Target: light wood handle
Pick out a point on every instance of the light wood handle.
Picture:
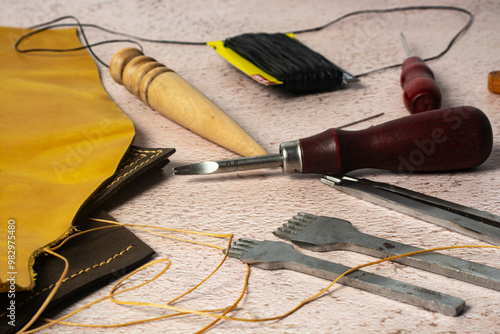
(168, 93)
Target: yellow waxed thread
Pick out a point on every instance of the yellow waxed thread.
(139, 226)
(146, 228)
(209, 313)
(199, 284)
(307, 300)
(59, 321)
(141, 268)
(53, 322)
(230, 236)
(79, 233)
(112, 294)
(302, 303)
(51, 294)
(50, 287)
(225, 311)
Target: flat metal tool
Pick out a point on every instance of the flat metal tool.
(272, 255)
(322, 234)
(471, 222)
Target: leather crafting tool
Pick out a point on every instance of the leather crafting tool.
(438, 140)
(421, 92)
(168, 93)
(471, 222)
(321, 234)
(272, 255)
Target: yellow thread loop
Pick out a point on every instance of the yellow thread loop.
(52, 293)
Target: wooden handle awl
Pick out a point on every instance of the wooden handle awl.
(437, 140)
(172, 96)
(421, 92)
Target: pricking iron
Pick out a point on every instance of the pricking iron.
(272, 255)
(471, 222)
(322, 234)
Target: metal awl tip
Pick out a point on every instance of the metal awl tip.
(405, 45)
(231, 165)
(199, 168)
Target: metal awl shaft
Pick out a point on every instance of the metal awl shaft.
(405, 45)
(289, 158)
(232, 165)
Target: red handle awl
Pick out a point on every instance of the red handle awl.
(421, 93)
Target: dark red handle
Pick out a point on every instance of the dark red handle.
(420, 91)
(437, 140)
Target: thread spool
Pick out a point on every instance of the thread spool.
(298, 68)
(168, 93)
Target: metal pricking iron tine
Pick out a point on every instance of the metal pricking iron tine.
(321, 234)
(477, 224)
(273, 255)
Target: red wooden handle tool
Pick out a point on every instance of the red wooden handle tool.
(420, 91)
(438, 140)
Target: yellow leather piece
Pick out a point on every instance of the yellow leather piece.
(61, 136)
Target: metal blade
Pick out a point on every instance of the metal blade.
(231, 165)
(474, 223)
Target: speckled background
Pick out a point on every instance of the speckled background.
(253, 204)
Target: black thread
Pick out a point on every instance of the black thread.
(301, 69)
(134, 39)
(462, 31)
(49, 25)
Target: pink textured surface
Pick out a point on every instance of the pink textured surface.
(253, 204)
